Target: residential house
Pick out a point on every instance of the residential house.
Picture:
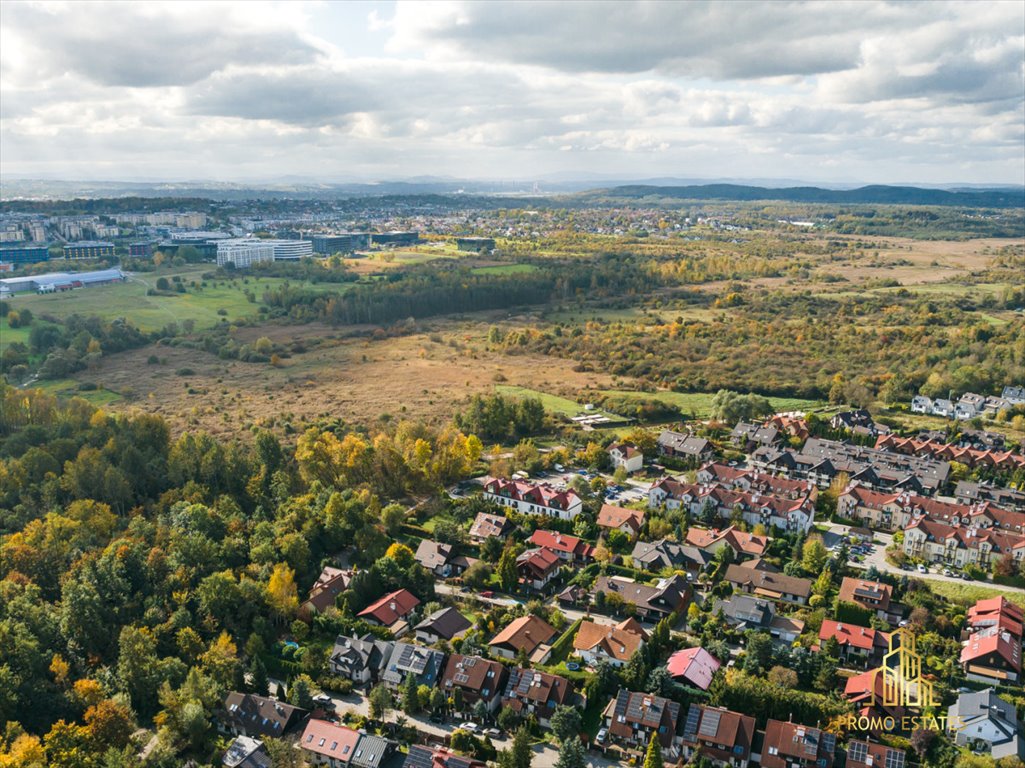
(444, 624)
(664, 553)
(992, 654)
(787, 512)
(486, 526)
(867, 694)
(527, 635)
(438, 757)
(869, 754)
(693, 666)
(678, 445)
(537, 568)
(360, 659)
(748, 612)
(719, 735)
(634, 718)
(774, 586)
(476, 679)
(670, 595)
(1014, 395)
(406, 659)
(981, 720)
(921, 404)
(530, 498)
(860, 422)
(792, 745)
(746, 436)
(957, 545)
(1008, 498)
(372, 751)
(570, 549)
(246, 714)
(626, 455)
(530, 692)
(873, 595)
(391, 611)
(969, 406)
(245, 752)
(855, 642)
(325, 743)
(628, 521)
(613, 644)
(996, 612)
(965, 451)
(325, 591)
(441, 559)
(742, 543)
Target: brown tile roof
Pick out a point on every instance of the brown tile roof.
(619, 642)
(486, 525)
(391, 607)
(525, 633)
(612, 516)
(871, 594)
(769, 584)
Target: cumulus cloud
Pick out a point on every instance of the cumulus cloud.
(871, 90)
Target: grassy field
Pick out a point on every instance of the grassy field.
(505, 269)
(205, 306)
(552, 403)
(966, 594)
(700, 403)
(68, 388)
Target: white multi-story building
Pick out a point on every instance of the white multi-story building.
(244, 252)
(292, 250)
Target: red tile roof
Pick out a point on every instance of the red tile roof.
(851, 634)
(993, 641)
(612, 516)
(695, 665)
(561, 542)
(391, 607)
(330, 740)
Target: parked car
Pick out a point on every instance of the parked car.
(470, 727)
(922, 568)
(487, 593)
(966, 577)
(946, 571)
(602, 737)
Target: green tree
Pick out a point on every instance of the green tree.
(653, 757)
(566, 723)
(814, 555)
(508, 575)
(380, 700)
(410, 696)
(300, 691)
(571, 755)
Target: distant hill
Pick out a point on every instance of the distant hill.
(878, 194)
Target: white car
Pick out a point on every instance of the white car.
(471, 727)
(922, 568)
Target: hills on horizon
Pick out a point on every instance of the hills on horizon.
(592, 191)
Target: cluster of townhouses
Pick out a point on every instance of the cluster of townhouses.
(970, 404)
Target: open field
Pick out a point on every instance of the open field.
(699, 404)
(355, 379)
(966, 594)
(505, 269)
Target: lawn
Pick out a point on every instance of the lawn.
(67, 388)
(552, 403)
(700, 403)
(966, 594)
(203, 305)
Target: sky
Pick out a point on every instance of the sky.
(834, 91)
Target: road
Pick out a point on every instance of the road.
(877, 558)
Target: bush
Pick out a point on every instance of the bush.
(185, 372)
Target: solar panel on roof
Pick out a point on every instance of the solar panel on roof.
(857, 751)
(894, 758)
(710, 723)
(690, 728)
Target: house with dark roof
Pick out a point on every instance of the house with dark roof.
(792, 745)
(325, 743)
(246, 714)
(747, 436)
(438, 757)
(668, 595)
(613, 644)
(719, 735)
(664, 553)
(570, 549)
(487, 525)
(391, 611)
(441, 559)
(476, 679)
(425, 664)
(445, 624)
(530, 692)
(679, 445)
(634, 718)
(372, 751)
(360, 659)
(749, 612)
(529, 635)
(622, 519)
(982, 721)
(774, 586)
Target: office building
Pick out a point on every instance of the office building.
(395, 238)
(291, 250)
(89, 249)
(244, 252)
(343, 242)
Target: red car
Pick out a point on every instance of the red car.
(487, 593)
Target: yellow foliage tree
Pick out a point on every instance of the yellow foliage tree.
(282, 596)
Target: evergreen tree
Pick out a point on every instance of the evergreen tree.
(258, 672)
(571, 755)
(410, 696)
(653, 757)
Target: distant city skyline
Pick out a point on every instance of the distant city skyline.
(826, 92)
